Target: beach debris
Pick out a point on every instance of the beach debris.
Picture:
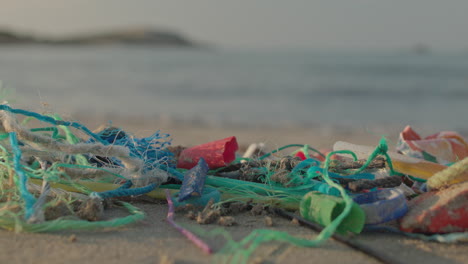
(348, 188)
(442, 211)
(268, 221)
(217, 154)
(56, 210)
(189, 235)
(363, 184)
(226, 221)
(194, 181)
(258, 209)
(191, 215)
(456, 173)
(323, 209)
(382, 205)
(72, 238)
(444, 147)
(209, 214)
(253, 150)
(235, 208)
(91, 210)
(295, 222)
(415, 167)
(341, 166)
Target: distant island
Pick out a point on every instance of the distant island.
(135, 36)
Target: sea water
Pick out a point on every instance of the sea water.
(243, 87)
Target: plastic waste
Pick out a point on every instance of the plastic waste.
(382, 205)
(443, 211)
(194, 181)
(323, 209)
(444, 147)
(217, 154)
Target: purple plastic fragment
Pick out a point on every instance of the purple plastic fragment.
(194, 181)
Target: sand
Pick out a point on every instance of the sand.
(154, 241)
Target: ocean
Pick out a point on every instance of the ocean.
(242, 87)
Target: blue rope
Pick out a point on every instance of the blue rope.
(120, 192)
(126, 185)
(172, 171)
(53, 121)
(27, 197)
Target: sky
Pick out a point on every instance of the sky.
(337, 24)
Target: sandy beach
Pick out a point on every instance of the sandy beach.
(154, 241)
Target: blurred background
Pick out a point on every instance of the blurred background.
(363, 65)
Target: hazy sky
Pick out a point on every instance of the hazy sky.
(442, 24)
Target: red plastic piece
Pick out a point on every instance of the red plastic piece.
(301, 155)
(443, 211)
(316, 156)
(217, 154)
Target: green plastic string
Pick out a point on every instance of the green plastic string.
(382, 149)
(4, 136)
(12, 222)
(55, 134)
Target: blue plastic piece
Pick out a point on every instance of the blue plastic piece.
(382, 205)
(194, 181)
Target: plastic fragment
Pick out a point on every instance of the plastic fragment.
(194, 181)
(382, 205)
(443, 147)
(216, 154)
(323, 209)
(300, 155)
(443, 211)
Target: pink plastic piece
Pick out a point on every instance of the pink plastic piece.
(217, 154)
